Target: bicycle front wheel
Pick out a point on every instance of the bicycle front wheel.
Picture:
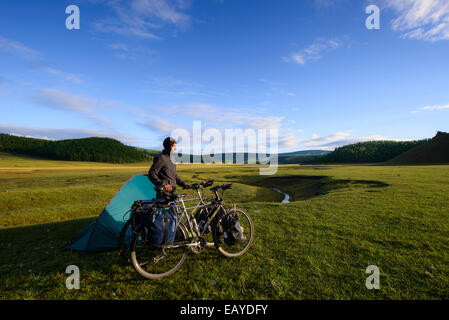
(237, 248)
(153, 262)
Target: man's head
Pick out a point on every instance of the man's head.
(169, 144)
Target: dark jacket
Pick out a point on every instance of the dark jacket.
(163, 171)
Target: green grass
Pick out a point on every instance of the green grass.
(342, 219)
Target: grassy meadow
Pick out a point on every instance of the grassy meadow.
(342, 218)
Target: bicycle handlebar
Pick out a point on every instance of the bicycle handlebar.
(170, 196)
(203, 184)
(223, 187)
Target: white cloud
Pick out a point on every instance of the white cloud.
(436, 107)
(159, 125)
(421, 19)
(222, 116)
(81, 104)
(275, 88)
(269, 82)
(62, 134)
(287, 141)
(141, 18)
(432, 108)
(335, 140)
(168, 81)
(127, 52)
(316, 139)
(35, 59)
(75, 78)
(314, 51)
(327, 3)
(175, 87)
(18, 49)
(165, 10)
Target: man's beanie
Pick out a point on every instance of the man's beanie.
(168, 143)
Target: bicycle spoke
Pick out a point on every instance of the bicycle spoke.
(154, 262)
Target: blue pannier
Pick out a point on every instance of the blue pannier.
(163, 227)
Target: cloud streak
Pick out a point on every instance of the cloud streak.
(81, 104)
(336, 140)
(141, 18)
(18, 49)
(223, 116)
(313, 52)
(421, 19)
(63, 134)
(275, 88)
(159, 125)
(446, 106)
(35, 59)
(432, 108)
(75, 78)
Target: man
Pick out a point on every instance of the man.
(163, 171)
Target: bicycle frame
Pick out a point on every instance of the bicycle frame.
(188, 236)
(217, 204)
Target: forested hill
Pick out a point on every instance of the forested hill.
(88, 149)
(433, 152)
(368, 152)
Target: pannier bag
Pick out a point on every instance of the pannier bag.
(140, 211)
(201, 219)
(232, 231)
(163, 227)
(159, 224)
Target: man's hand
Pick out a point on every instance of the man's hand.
(187, 186)
(168, 188)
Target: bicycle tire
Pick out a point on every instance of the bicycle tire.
(221, 247)
(182, 236)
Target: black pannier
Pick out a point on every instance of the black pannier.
(232, 231)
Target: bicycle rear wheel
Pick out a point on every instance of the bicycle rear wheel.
(238, 248)
(125, 241)
(153, 262)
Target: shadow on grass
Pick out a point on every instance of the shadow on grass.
(41, 250)
(306, 187)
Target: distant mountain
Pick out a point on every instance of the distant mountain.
(88, 149)
(306, 153)
(150, 152)
(434, 151)
(252, 158)
(368, 152)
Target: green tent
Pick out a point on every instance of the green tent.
(104, 232)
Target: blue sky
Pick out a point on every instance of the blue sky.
(137, 69)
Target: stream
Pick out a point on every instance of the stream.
(286, 196)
